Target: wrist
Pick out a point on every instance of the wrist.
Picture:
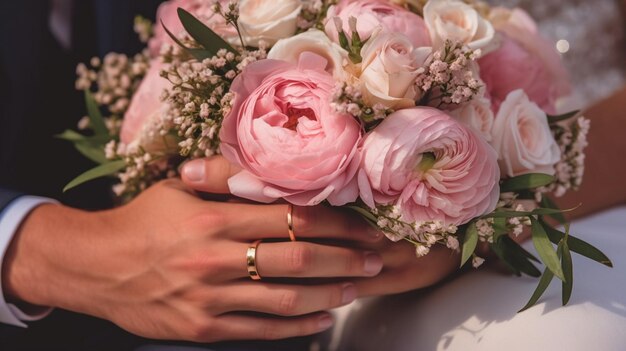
(45, 251)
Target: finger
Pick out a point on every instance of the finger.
(209, 174)
(238, 327)
(307, 260)
(283, 300)
(248, 222)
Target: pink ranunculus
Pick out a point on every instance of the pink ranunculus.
(372, 14)
(525, 61)
(287, 138)
(146, 104)
(203, 10)
(430, 166)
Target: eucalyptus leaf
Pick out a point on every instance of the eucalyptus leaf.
(518, 257)
(547, 202)
(198, 54)
(566, 264)
(579, 246)
(470, 241)
(500, 250)
(92, 152)
(97, 172)
(526, 181)
(95, 117)
(543, 284)
(563, 117)
(545, 250)
(203, 34)
(535, 212)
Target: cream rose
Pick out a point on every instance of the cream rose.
(476, 114)
(314, 41)
(457, 21)
(389, 69)
(268, 20)
(522, 137)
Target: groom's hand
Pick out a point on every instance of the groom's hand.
(171, 266)
(402, 270)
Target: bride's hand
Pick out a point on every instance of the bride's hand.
(171, 266)
(402, 271)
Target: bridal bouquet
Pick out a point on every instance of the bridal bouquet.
(435, 120)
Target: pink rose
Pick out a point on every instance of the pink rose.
(522, 137)
(203, 10)
(146, 104)
(283, 132)
(430, 166)
(371, 14)
(524, 61)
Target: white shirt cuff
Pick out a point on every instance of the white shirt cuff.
(10, 220)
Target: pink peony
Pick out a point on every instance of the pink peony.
(524, 61)
(430, 166)
(371, 14)
(203, 10)
(146, 104)
(288, 139)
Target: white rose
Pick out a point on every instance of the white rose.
(522, 137)
(389, 68)
(314, 41)
(476, 114)
(457, 21)
(267, 20)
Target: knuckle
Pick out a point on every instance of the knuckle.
(353, 263)
(305, 218)
(202, 330)
(289, 303)
(335, 296)
(299, 258)
(271, 331)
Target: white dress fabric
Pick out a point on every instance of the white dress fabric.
(477, 310)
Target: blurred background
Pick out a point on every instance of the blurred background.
(590, 36)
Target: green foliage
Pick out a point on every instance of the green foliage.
(97, 172)
(470, 241)
(545, 250)
(526, 181)
(563, 117)
(95, 117)
(203, 34)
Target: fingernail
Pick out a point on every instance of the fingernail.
(349, 293)
(193, 171)
(325, 322)
(373, 263)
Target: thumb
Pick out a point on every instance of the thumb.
(209, 175)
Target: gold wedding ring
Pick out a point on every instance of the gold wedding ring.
(253, 272)
(292, 236)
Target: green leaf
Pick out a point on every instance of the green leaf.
(500, 250)
(100, 171)
(547, 202)
(545, 250)
(499, 228)
(203, 34)
(517, 257)
(563, 117)
(526, 181)
(75, 137)
(92, 152)
(198, 54)
(543, 284)
(95, 117)
(469, 243)
(579, 246)
(535, 212)
(566, 264)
